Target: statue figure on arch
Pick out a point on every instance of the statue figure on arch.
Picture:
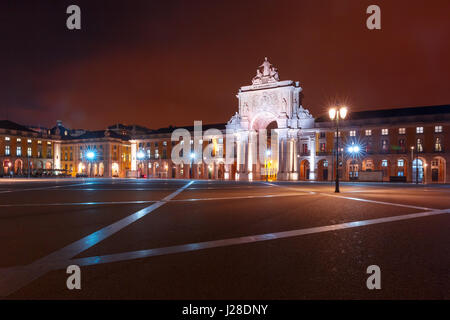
(266, 67)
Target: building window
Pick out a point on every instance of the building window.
(419, 130)
(384, 163)
(19, 140)
(325, 164)
(401, 174)
(402, 145)
(29, 152)
(384, 132)
(419, 145)
(339, 133)
(19, 151)
(322, 135)
(39, 142)
(438, 145)
(401, 130)
(29, 141)
(384, 145)
(352, 133)
(400, 163)
(369, 165)
(368, 132)
(7, 138)
(7, 150)
(305, 148)
(438, 129)
(322, 147)
(165, 143)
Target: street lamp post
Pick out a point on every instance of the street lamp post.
(412, 164)
(336, 114)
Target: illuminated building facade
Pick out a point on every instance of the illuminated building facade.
(397, 145)
(24, 151)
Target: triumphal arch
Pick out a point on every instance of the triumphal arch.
(272, 106)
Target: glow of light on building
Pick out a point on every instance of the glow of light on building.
(133, 156)
(140, 155)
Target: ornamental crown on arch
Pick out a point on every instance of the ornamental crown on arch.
(266, 73)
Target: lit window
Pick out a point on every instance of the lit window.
(39, 142)
(325, 164)
(438, 145)
(7, 150)
(400, 163)
(384, 145)
(29, 141)
(322, 147)
(384, 132)
(368, 132)
(384, 163)
(438, 129)
(29, 152)
(7, 138)
(338, 133)
(352, 133)
(19, 151)
(19, 140)
(419, 145)
(419, 130)
(401, 130)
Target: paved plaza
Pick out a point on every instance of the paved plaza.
(200, 239)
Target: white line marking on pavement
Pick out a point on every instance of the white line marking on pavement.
(45, 188)
(356, 199)
(76, 203)
(145, 201)
(241, 197)
(379, 202)
(12, 279)
(237, 241)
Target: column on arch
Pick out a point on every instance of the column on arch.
(312, 158)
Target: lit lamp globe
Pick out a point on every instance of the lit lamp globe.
(140, 155)
(340, 114)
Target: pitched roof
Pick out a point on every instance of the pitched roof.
(98, 134)
(6, 124)
(170, 129)
(390, 113)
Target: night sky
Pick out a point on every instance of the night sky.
(157, 63)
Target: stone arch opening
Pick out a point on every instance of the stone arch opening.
(322, 167)
(304, 170)
(438, 173)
